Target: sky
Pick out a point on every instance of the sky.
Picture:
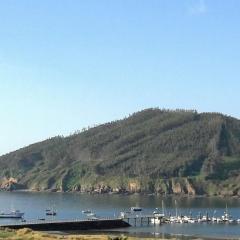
(65, 65)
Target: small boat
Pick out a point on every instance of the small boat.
(12, 214)
(136, 209)
(50, 212)
(214, 219)
(219, 220)
(86, 211)
(205, 218)
(191, 220)
(91, 214)
(175, 219)
(158, 218)
(227, 217)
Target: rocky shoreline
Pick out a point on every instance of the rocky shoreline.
(167, 187)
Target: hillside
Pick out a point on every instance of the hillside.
(160, 151)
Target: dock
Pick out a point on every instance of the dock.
(69, 225)
(140, 220)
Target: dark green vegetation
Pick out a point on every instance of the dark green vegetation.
(151, 151)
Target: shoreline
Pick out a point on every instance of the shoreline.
(156, 235)
(26, 233)
(122, 194)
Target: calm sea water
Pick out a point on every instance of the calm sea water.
(70, 206)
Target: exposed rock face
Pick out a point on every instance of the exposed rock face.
(134, 187)
(10, 184)
(176, 187)
(190, 189)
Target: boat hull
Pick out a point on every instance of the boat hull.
(19, 215)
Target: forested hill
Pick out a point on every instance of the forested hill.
(161, 151)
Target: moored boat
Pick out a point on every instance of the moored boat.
(12, 214)
(86, 211)
(51, 212)
(91, 214)
(136, 209)
(158, 218)
(227, 217)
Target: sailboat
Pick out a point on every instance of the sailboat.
(226, 217)
(175, 219)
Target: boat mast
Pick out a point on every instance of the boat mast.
(163, 207)
(176, 207)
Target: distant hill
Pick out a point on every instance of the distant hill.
(153, 151)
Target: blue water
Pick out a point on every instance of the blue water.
(70, 206)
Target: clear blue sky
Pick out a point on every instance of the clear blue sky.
(65, 65)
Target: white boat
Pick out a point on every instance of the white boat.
(86, 211)
(176, 219)
(51, 212)
(227, 217)
(191, 220)
(214, 219)
(12, 214)
(219, 220)
(204, 218)
(91, 214)
(158, 217)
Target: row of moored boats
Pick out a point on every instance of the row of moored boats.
(162, 218)
(159, 217)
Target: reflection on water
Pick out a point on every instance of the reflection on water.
(71, 205)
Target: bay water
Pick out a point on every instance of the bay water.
(71, 205)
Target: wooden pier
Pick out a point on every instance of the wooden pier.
(69, 225)
(140, 220)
